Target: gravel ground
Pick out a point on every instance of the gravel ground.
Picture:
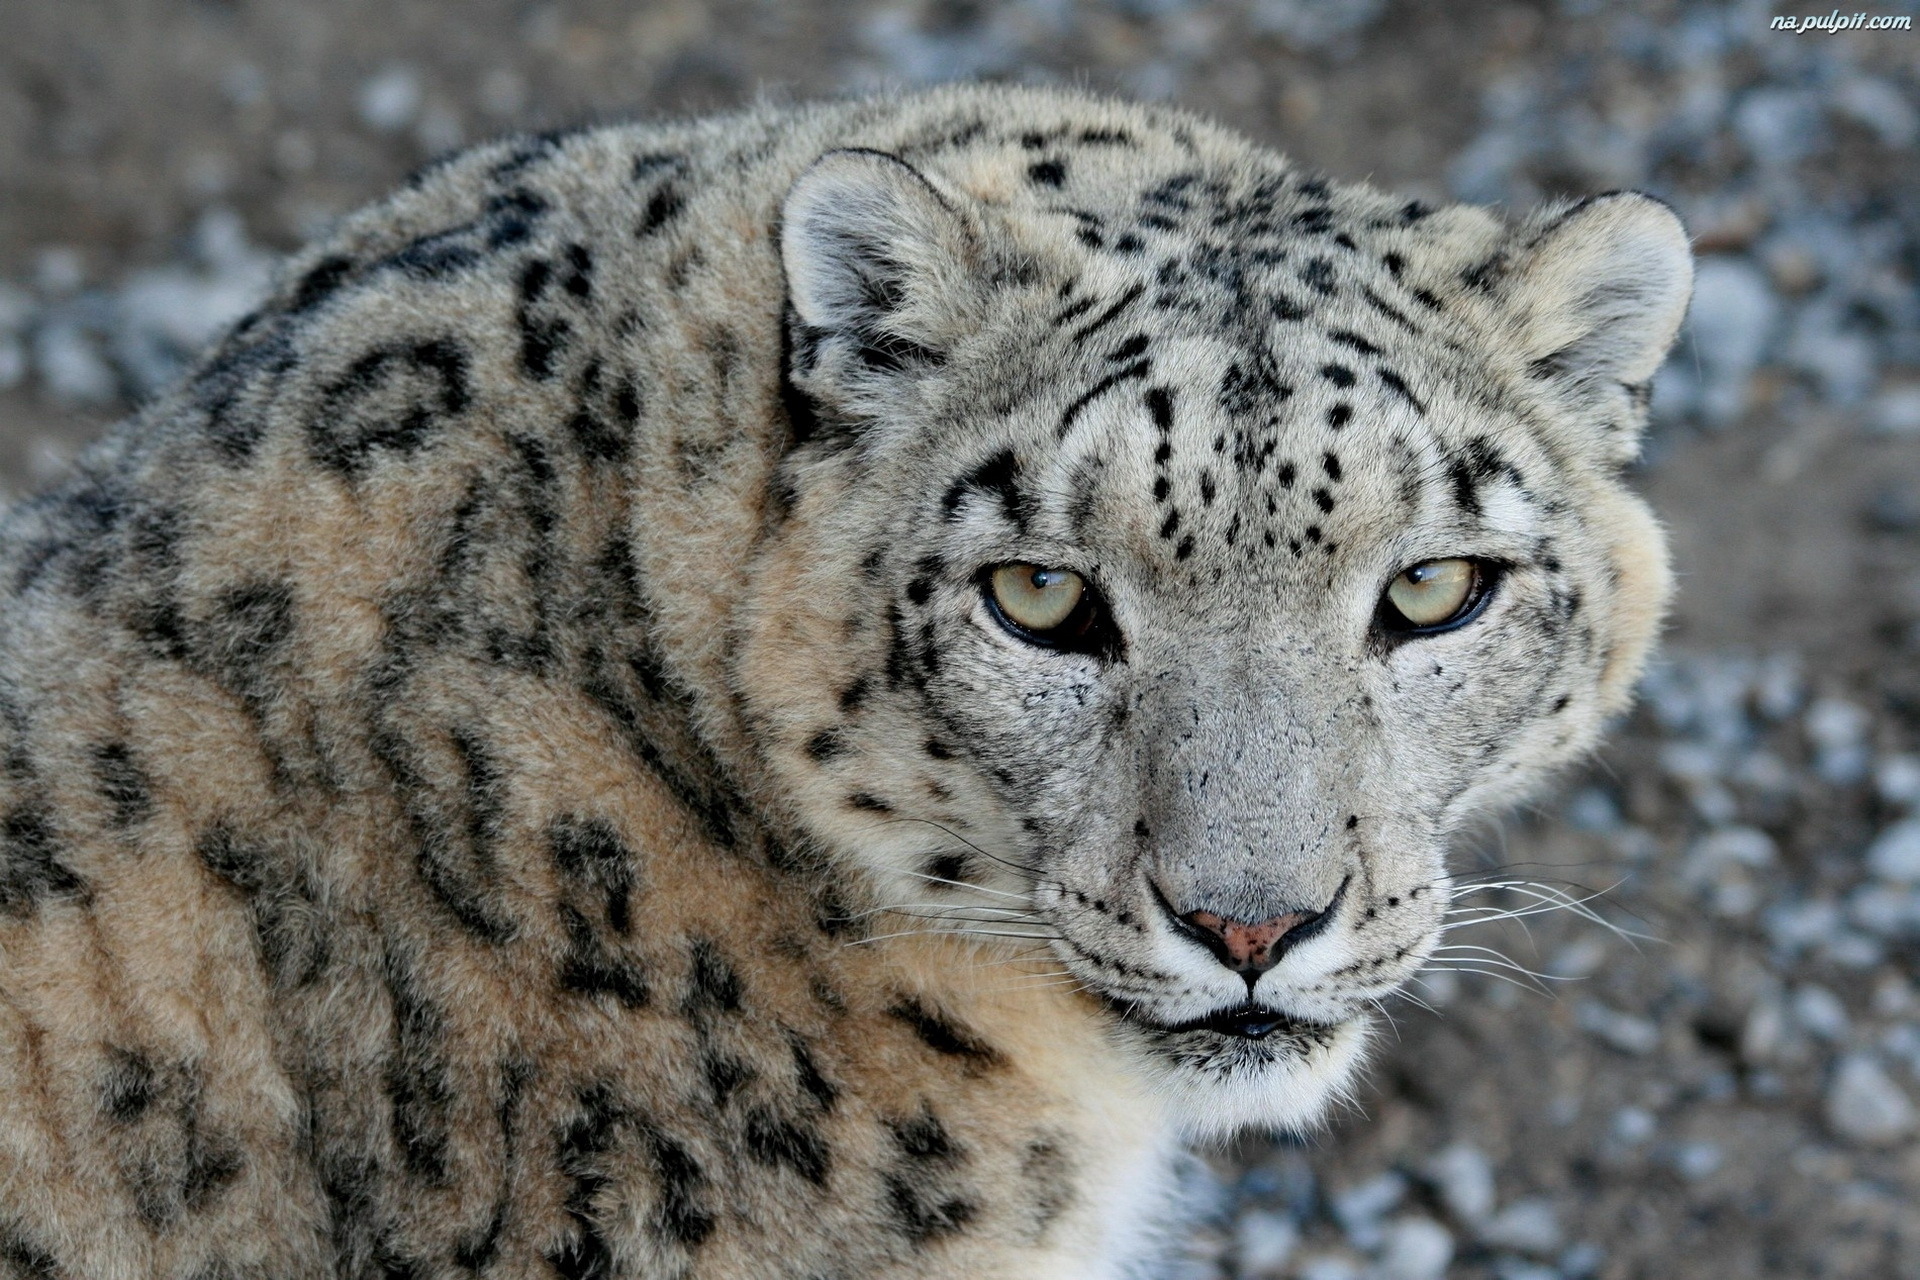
(1709, 1066)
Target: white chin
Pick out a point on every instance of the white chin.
(1274, 1084)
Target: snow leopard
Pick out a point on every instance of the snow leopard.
(814, 693)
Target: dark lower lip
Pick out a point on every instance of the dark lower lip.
(1244, 1024)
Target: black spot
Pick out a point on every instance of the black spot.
(1330, 463)
(1161, 487)
(26, 1259)
(1206, 489)
(666, 204)
(1560, 703)
(288, 925)
(1414, 211)
(919, 591)
(391, 398)
(1346, 338)
(924, 1220)
(1048, 1172)
(319, 283)
(925, 1139)
(123, 784)
(1185, 548)
(868, 802)
(419, 1082)
(30, 868)
(129, 1088)
(826, 745)
(951, 867)
(1248, 389)
(1285, 475)
(1171, 525)
(1338, 374)
(1318, 276)
(812, 1081)
(939, 750)
(724, 1075)
(579, 281)
(588, 968)
(648, 163)
(596, 441)
(1159, 402)
(713, 985)
(855, 694)
(1129, 349)
(1323, 500)
(682, 1217)
(1106, 137)
(1353, 820)
(775, 1142)
(1047, 173)
(943, 1036)
(1394, 264)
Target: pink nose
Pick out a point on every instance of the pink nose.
(1248, 948)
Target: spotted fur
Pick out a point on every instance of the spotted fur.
(509, 769)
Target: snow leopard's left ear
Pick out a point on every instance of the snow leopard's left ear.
(1595, 298)
(881, 281)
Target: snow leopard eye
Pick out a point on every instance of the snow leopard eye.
(1435, 595)
(1052, 608)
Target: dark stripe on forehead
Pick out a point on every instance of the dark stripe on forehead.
(1110, 314)
(1138, 369)
(1398, 386)
(998, 476)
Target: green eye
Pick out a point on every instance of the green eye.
(1433, 594)
(1036, 599)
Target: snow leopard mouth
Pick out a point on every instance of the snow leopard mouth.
(1248, 1022)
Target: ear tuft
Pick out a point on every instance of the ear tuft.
(1596, 299)
(880, 276)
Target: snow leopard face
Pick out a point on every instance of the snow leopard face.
(1173, 561)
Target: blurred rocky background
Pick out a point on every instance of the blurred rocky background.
(1711, 1066)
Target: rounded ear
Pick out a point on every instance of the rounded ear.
(1595, 301)
(881, 277)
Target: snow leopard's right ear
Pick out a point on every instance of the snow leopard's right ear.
(1595, 297)
(882, 280)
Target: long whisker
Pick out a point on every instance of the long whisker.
(1021, 867)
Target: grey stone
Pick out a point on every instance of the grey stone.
(1864, 1106)
(1414, 1248)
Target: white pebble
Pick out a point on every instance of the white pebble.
(1633, 1125)
(1895, 853)
(1820, 1013)
(1864, 1106)
(1527, 1226)
(72, 366)
(1463, 1176)
(1414, 1249)
(1897, 779)
(1263, 1241)
(1697, 1160)
(1359, 1210)
(1731, 321)
(389, 99)
(1626, 1032)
